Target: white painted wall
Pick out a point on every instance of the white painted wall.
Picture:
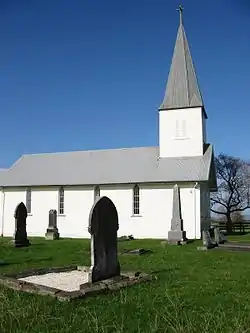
(154, 220)
(1, 209)
(181, 132)
(12, 198)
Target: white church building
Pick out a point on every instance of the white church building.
(139, 181)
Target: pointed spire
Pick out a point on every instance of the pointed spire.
(182, 87)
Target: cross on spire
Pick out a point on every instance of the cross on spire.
(180, 10)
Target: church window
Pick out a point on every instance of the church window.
(177, 128)
(180, 128)
(96, 193)
(183, 128)
(136, 200)
(28, 200)
(61, 201)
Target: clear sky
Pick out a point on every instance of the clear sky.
(90, 74)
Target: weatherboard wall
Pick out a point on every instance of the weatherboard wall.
(154, 220)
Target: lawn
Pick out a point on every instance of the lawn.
(196, 291)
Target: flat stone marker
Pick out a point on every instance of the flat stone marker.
(20, 237)
(138, 252)
(176, 235)
(52, 231)
(103, 226)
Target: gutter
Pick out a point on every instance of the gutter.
(195, 220)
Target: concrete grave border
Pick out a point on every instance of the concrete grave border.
(87, 289)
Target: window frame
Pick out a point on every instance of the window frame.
(61, 201)
(136, 200)
(180, 129)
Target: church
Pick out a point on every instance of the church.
(140, 181)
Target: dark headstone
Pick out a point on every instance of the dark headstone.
(103, 226)
(20, 238)
(211, 231)
(52, 231)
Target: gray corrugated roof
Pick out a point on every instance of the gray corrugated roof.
(182, 87)
(131, 165)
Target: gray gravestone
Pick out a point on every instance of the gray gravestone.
(207, 240)
(218, 236)
(20, 237)
(52, 231)
(176, 235)
(103, 226)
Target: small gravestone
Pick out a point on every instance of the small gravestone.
(103, 226)
(176, 235)
(206, 238)
(219, 236)
(206, 241)
(20, 237)
(211, 231)
(52, 231)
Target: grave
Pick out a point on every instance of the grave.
(103, 226)
(206, 241)
(177, 235)
(52, 231)
(74, 282)
(126, 238)
(138, 252)
(20, 236)
(219, 236)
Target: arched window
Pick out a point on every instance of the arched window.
(28, 200)
(96, 193)
(61, 201)
(136, 200)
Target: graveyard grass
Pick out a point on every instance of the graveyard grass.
(196, 291)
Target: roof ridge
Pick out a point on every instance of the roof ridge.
(86, 151)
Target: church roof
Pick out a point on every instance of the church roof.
(182, 89)
(112, 166)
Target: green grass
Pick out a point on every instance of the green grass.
(196, 291)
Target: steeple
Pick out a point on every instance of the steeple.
(182, 89)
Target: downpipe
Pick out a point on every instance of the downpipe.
(3, 205)
(195, 220)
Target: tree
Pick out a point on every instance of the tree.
(237, 217)
(233, 187)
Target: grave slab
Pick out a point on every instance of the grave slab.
(57, 282)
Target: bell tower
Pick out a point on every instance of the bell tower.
(182, 115)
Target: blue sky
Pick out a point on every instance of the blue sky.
(90, 74)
